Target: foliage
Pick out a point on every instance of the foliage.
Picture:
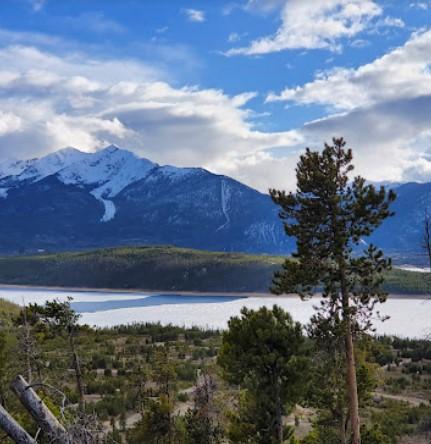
(396, 418)
(329, 215)
(155, 427)
(262, 351)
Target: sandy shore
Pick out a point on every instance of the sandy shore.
(143, 291)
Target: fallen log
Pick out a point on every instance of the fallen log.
(45, 419)
(13, 429)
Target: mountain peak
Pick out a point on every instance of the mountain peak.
(68, 150)
(112, 149)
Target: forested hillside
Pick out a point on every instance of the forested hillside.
(167, 269)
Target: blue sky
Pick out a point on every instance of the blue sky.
(239, 87)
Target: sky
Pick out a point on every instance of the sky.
(239, 87)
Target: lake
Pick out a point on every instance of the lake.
(409, 316)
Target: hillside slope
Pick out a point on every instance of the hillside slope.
(166, 269)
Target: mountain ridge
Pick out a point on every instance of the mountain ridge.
(136, 201)
(71, 200)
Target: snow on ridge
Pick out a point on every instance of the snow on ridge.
(105, 172)
(51, 163)
(110, 171)
(15, 171)
(13, 167)
(175, 172)
(110, 168)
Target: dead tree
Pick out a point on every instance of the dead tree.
(13, 429)
(45, 419)
(82, 430)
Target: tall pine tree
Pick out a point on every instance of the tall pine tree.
(329, 216)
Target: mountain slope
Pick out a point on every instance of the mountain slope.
(72, 200)
(404, 231)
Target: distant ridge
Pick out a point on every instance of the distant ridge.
(166, 269)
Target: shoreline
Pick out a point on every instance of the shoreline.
(145, 292)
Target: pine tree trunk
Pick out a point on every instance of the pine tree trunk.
(352, 386)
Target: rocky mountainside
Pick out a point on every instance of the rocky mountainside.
(71, 200)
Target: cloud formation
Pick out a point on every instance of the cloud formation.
(383, 109)
(49, 102)
(319, 24)
(402, 73)
(194, 15)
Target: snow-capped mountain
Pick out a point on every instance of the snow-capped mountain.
(71, 199)
(105, 173)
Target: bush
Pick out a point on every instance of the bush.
(183, 397)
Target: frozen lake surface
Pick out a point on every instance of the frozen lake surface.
(409, 316)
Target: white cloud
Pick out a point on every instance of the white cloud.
(48, 101)
(263, 6)
(420, 5)
(9, 123)
(402, 73)
(359, 43)
(194, 15)
(391, 21)
(51, 101)
(316, 24)
(383, 109)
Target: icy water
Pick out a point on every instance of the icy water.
(409, 316)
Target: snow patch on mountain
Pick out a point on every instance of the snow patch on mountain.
(225, 195)
(263, 231)
(3, 192)
(109, 206)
